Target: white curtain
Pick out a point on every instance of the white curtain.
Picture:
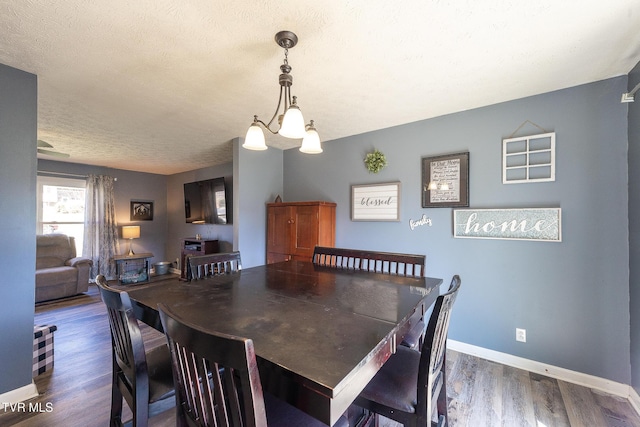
(101, 226)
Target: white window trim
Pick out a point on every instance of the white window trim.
(43, 180)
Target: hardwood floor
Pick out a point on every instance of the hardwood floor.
(481, 393)
(78, 389)
(485, 393)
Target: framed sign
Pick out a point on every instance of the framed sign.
(541, 224)
(141, 211)
(445, 181)
(375, 202)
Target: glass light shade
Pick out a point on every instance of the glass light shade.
(130, 231)
(433, 185)
(311, 142)
(255, 138)
(292, 123)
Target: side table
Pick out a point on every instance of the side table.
(133, 269)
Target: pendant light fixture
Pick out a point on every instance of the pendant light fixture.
(290, 120)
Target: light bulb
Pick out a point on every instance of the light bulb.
(311, 141)
(255, 138)
(292, 123)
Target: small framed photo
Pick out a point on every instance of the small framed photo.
(141, 211)
(445, 181)
(375, 202)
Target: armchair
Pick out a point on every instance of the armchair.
(59, 272)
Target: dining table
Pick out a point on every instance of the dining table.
(320, 334)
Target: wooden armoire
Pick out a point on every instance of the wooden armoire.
(295, 228)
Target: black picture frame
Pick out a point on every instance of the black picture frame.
(141, 211)
(449, 169)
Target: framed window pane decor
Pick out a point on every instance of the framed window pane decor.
(445, 181)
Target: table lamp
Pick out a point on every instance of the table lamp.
(130, 232)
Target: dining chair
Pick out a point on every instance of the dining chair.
(411, 265)
(203, 266)
(144, 379)
(410, 388)
(233, 395)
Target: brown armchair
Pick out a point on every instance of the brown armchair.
(59, 272)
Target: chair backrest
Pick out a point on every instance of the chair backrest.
(202, 266)
(53, 250)
(128, 346)
(233, 394)
(431, 367)
(381, 262)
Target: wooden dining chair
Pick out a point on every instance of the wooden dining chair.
(410, 388)
(144, 379)
(411, 265)
(203, 266)
(233, 395)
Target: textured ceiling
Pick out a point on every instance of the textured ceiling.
(163, 86)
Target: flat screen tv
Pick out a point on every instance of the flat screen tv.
(205, 202)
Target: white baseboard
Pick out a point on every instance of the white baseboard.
(21, 394)
(607, 386)
(634, 399)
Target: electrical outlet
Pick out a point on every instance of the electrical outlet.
(521, 335)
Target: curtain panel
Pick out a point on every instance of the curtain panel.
(101, 226)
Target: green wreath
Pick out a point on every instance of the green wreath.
(375, 161)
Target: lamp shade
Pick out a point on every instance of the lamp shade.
(255, 138)
(292, 123)
(131, 232)
(311, 142)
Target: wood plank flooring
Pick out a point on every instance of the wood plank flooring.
(481, 393)
(484, 393)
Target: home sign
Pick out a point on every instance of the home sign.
(540, 224)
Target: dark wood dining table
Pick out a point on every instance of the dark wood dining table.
(320, 334)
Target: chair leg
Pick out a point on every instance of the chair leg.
(442, 404)
(442, 401)
(116, 400)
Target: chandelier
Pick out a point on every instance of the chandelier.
(290, 121)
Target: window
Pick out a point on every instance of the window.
(61, 207)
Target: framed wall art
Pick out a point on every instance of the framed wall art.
(445, 181)
(529, 159)
(141, 211)
(540, 224)
(375, 202)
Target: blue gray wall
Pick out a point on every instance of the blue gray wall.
(18, 130)
(571, 297)
(258, 180)
(178, 229)
(634, 227)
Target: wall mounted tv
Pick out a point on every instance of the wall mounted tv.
(205, 202)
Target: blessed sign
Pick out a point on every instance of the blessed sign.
(376, 202)
(515, 224)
